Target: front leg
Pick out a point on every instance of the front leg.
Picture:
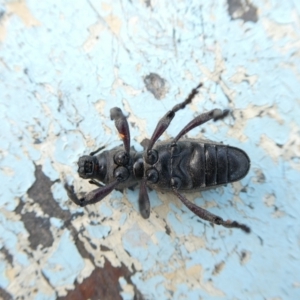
(121, 124)
(93, 196)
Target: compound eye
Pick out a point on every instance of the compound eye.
(152, 175)
(121, 173)
(121, 158)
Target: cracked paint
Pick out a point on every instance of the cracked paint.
(64, 65)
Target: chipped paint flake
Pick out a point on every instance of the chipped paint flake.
(60, 269)
(21, 9)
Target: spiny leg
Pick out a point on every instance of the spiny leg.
(97, 183)
(215, 114)
(144, 203)
(206, 215)
(93, 196)
(96, 151)
(165, 121)
(121, 124)
(151, 157)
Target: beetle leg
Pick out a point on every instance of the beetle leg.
(93, 196)
(121, 124)
(144, 203)
(95, 182)
(165, 121)
(206, 215)
(215, 114)
(96, 151)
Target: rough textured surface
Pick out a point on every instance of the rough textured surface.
(64, 64)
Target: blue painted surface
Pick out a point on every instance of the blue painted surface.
(64, 64)
(64, 265)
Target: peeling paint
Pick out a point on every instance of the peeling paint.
(63, 65)
(156, 85)
(20, 9)
(242, 9)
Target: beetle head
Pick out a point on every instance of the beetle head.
(91, 167)
(86, 166)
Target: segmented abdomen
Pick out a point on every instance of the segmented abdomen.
(212, 165)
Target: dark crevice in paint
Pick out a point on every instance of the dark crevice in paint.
(104, 248)
(261, 178)
(133, 268)
(244, 257)
(79, 244)
(48, 281)
(41, 193)
(38, 229)
(148, 3)
(218, 268)
(26, 72)
(261, 240)
(91, 243)
(168, 230)
(8, 257)
(103, 283)
(244, 190)
(2, 13)
(250, 205)
(242, 9)
(37, 141)
(156, 85)
(227, 97)
(4, 295)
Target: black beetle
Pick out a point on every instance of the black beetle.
(172, 165)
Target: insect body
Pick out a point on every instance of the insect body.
(174, 165)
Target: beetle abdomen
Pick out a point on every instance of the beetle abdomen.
(212, 165)
(238, 164)
(224, 164)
